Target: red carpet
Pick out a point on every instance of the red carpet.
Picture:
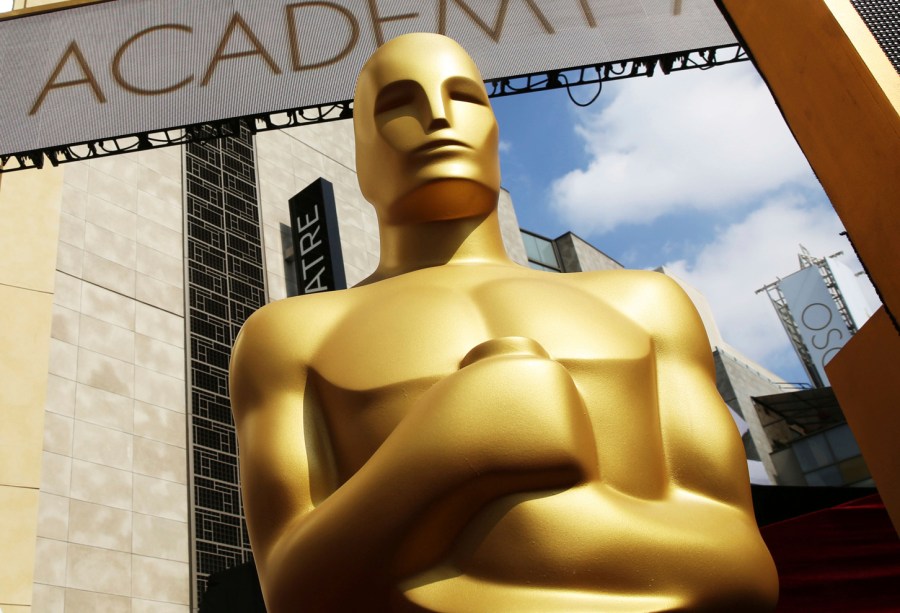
(845, 558)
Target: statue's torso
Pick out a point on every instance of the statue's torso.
(399, 337)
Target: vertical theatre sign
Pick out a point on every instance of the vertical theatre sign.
(318, 262)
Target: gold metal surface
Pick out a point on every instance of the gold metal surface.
(460, 433)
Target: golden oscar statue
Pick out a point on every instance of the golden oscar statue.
(462, 434)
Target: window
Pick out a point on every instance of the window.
(541, 252)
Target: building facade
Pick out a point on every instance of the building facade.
(152, 261)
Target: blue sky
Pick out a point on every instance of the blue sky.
(694, 170)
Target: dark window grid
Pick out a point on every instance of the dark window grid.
(212, 484)
(212, 440)
(214, 557)
(201, 230)
(205, 186)
(209, 382)
(240, 312)
(212, 563)
(221, 336)
(213, 371)
(210, 352)
(215, 380)
(227, 488)
(193, 167)
(215, 446)
(212, 311)
(209, 327)
(245, 271)
(237, 186)
(210, 500)
(203, 210)
(214, 402)
(242, 207)
(246, 249)
(224, 550)
(241, 227)
(213, 408)
(206, 547)
(207, 302)
(237, 167)
(241, 148)
(212, 548)
(208, 256)
(201, 191)
(205, 152)
(203, 173)
(223, 519)
(223, 533)
(241, 143)
(246, 293)
(215, 502)
(237, 151)
(205, 400)
(212, 280)
(205, 520)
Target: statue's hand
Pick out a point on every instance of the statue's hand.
(511, 410)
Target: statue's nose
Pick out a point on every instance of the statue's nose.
(438, 115)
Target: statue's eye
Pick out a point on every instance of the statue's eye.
(463, 96)
(466, 90)
(394, 96)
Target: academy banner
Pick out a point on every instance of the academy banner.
(131, 66)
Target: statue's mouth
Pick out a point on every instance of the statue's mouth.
(442, 143)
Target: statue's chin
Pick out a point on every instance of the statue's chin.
(442, 200)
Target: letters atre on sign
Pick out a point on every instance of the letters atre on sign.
(119, 68)
(318, 261)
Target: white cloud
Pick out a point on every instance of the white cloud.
(504, 146)
(752, 253)
(698, 139)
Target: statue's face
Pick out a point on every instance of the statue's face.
(423, 125)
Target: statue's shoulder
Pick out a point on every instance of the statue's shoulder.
(652, 299)
(627, 284)
(292, 328)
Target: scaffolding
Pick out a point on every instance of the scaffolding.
(773, 291)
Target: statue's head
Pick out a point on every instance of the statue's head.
(425, 132)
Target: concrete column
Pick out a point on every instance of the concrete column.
(29, 230)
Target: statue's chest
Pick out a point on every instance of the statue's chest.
(424, 332)
(386, 353)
